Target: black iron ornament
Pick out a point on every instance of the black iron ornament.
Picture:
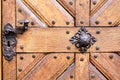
(9, 40)
(83, 39)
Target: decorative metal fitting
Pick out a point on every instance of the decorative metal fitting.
(9, 40)
(83, 39)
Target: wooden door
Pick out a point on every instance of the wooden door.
(44, 51)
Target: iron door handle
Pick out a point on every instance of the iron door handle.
(9, 40)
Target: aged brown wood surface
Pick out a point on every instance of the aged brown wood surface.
(22, 14)
(82, 12)
(82, 66)
(108, 64)
(105, 13)
(56, 40)
(49, 67)
(8, 16)
(49, 14)
(69, 5)
(94, 74)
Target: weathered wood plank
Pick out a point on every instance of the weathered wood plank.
(107, 15)
(95, 74)
(22, 14)
(8, 13)
(25, 63)
(69, 5)
(68, 74)
(50, 67)
(49, 14)
(82, 12)
(56, 40)
(82, 66)
(108, 64)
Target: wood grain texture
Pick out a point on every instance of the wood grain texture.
(109, 67)
(56, 40)
(8, 16)
(106, 13)
(50, 68)
(95, 74)
(69, 5)
(82, 67)
(22, 14)
(68, 74)
(49, 14)
(26, 62)
(8, 11)
(82, 12)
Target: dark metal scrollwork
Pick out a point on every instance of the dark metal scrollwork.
(9, 40)
(83, 40)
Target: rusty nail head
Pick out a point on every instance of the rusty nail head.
(92, 75)
(95, 56)
(53, 22)
(21, 57)
(32, 23)
(67, 23)
(67, 32)
(82, 22)
(71, 3)
(71, 76)
(111, 56)
(68, 48)
(97, 47)
(21, 47)
(81, 59)
(55, 57)
(94, 2)
(19, 70)
(98, 32)
(109, 22)
(33, 56)
(68, 57)
(19, 10)
(97, 22)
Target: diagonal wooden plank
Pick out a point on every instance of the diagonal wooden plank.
(69, 5)
(82, 66)
(56, 40)
(68, 74)
(95, 74)
(107, 15)
(96, 5)
(25, 62)
(82, 12)
(22, 14)
(8, 16)
(108, 64)
(49, 14)
(50, 67)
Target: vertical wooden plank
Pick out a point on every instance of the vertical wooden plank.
(0, 45)
(82, 66)
(82, 12)
(8, 11)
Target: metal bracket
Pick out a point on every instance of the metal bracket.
(83, 39)
(9, 40)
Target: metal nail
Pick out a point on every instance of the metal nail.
(97, 22)
(81, 59)
(111, 56)
(71, 3)
(71, 76)
(67, 32)
(98, 32)
(21, 47)
(33, 56)
(68, 47)
(68, 57)
(95, 56)
(97, 47)
(21, 57)
(55, 57)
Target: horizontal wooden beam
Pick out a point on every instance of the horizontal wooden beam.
(56, 40)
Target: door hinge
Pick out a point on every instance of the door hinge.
(9, 39)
